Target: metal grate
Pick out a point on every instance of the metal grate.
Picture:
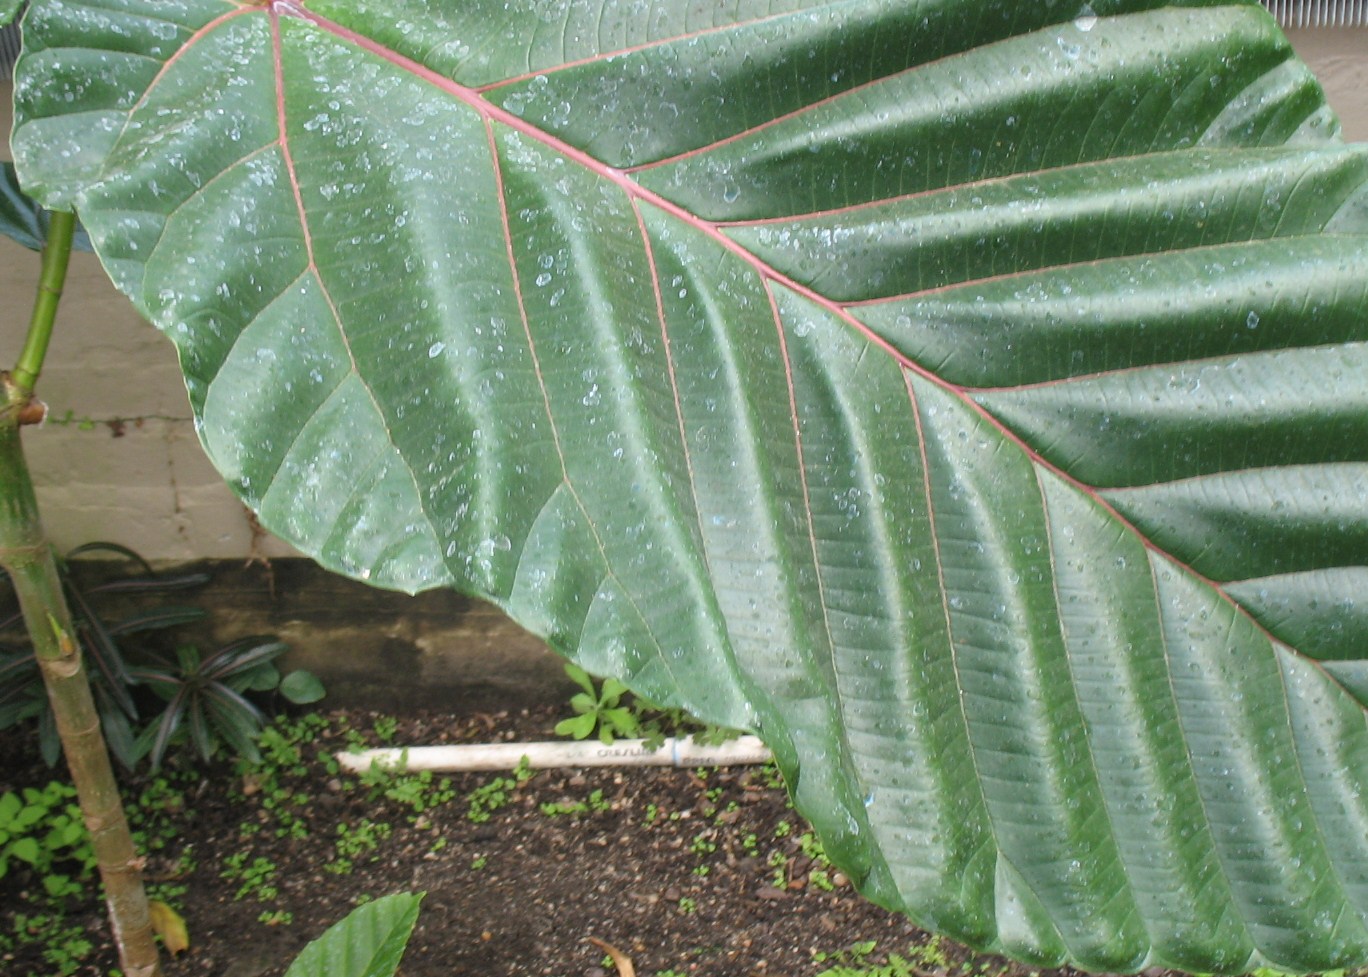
(1320, 13)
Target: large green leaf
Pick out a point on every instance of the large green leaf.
(967, 395)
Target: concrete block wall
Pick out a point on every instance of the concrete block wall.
(119, 459)
(1339, 57)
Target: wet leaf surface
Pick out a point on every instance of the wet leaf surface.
(967, 396)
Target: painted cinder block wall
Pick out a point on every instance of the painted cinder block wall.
(119, 460)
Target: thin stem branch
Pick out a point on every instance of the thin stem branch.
(56, 256)
(26, 555)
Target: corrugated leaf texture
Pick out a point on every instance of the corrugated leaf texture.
(968, 395)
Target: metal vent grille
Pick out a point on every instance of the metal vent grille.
(1320, 13)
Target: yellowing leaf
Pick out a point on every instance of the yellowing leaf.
(620, 959)
(170, 926)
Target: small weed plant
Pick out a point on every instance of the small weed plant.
(66, 945)
(45, 847)
(356, 842)
(385, 728)
(496, 793)
(256, 878)
(44, 844)
(42, 829)
(931, 957)
(598, 710)
(418, 791)
(594, 804)
(852, 957)
(612, 713)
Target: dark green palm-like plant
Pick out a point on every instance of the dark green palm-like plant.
(22, 696)
(970, 396)
(206, 696)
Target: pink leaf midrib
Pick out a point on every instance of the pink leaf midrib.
(619, 178)
(491, 113)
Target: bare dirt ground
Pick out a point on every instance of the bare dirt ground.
(685, 872)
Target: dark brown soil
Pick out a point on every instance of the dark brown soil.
(687, 873)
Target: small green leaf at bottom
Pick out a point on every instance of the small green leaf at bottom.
(369, 942)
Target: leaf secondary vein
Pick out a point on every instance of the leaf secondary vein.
(492, 113)
(630, 49)
(290, 170)
(546, 398)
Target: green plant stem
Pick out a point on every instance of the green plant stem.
(56, 256)
(26, 554)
